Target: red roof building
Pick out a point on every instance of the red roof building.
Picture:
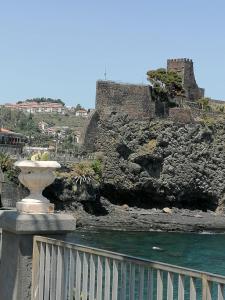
(37, 107)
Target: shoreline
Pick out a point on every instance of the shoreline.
(133, 219)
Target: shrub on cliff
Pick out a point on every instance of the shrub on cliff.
(148, 148)
(84, 171)
(208, 121)
(97, 167)
(204, 103)
(6, 165)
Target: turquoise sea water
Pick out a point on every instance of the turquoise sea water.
(204, 252)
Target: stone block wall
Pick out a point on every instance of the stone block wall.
(134, 100)
(217, 102)
(181, 115)
(11, 193)
(90, 132)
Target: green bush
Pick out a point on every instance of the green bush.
(208, 121)
(84, 171)
(7, 167)
(149, 147)
(6, 163)
(97, 167)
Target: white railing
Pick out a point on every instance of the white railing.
(64, 271)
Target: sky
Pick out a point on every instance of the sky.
(59, 49)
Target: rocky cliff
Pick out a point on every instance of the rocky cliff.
(154, 164)
(147, 166)
(161, 163)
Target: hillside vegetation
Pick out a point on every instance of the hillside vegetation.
(27, 124)
(55, 119)
(43, 99)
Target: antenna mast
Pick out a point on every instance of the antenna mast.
(105, 73)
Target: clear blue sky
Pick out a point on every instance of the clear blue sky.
(58, 49)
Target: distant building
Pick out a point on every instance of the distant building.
(43, 126)
(81, 113)
(31, 150)
(37, 107)
(59, 131)
(11, 142)
(77, 137)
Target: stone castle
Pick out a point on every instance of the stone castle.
(136, 100)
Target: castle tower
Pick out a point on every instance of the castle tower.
(184, 67)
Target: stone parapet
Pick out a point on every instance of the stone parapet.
(18, 231)
(15, 222)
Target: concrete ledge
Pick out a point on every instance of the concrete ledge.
(35, 208)
(21, 223)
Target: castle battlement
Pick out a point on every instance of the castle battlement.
(136, 99)
(180, 60)
(122, 83)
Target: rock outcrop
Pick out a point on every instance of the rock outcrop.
(153, 171)
(162, 164)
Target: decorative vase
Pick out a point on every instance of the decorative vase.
(36, 176)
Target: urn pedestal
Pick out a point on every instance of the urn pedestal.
(36, 176)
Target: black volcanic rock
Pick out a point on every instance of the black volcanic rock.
(161, 163)
(150, 165)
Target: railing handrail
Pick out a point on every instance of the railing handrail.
(132, 259)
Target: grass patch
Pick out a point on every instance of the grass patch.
(150, 146)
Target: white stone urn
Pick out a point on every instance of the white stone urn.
(36, 176)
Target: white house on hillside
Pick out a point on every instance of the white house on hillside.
(81, 113)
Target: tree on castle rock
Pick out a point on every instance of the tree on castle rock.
(166, 85)
(204, 103)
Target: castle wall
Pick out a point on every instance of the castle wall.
(134, 100)
(111, 98)
(181, 115)
(214, 101)
(184, 67)
(90, 132)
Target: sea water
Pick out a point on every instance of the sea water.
(205, 252)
